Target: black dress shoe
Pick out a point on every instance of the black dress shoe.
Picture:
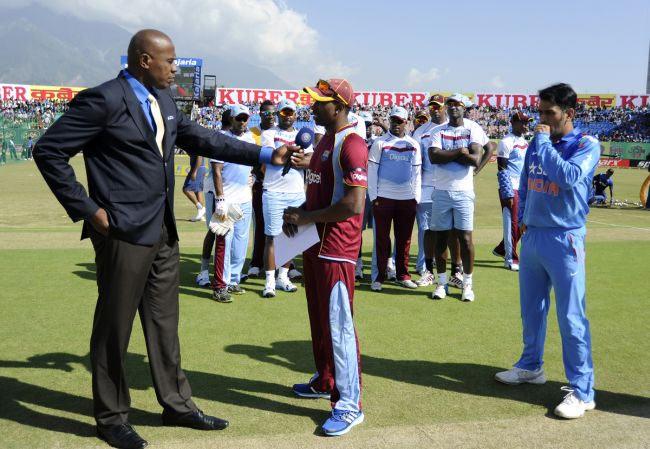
(194, 420)
(122, 436)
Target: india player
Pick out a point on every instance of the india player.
(553, 193)
(601, 182)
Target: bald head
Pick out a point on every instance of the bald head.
(145, 41)
(151, 56)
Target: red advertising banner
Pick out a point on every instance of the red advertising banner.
(27, 92)
(232, 95)
(612, 162)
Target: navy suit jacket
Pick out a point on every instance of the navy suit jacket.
(127, 176)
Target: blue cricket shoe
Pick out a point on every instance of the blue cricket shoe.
(341, 422)
(307, 391)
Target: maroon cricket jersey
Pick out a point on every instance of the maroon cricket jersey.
(339, 160)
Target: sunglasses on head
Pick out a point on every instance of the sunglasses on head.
(286, 112)
(435, 106)
(326, 89)
(241, 118)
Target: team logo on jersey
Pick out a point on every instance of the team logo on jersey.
(325, 156)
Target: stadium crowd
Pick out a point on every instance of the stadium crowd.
(41, 113)
(606, 124)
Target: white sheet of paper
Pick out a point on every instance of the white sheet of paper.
(286, 248)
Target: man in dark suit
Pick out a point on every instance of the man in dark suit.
(127, 129)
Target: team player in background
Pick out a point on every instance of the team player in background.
(232, 187)
(336, 191)
(510, 160)
(367, 211)
(456, 149)
(267, 121)
(203, 278)
(553, 207)
(394, 181)
(281, 192)
(600, 183)
(424, 263)
(420, 118)
(193, 186)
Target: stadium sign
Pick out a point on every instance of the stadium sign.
(232, 95)
(28, 92)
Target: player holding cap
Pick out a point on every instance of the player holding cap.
(510, 159)
(281, 191)
(394, 181)
(336, 190)
(553, 193)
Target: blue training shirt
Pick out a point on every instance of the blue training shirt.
(556, 181)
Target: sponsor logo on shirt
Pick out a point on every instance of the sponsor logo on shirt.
(399, 157)
(312, 177)
(543, 186)
(325, 155)
(359, 174)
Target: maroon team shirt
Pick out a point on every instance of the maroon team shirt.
(339, 240)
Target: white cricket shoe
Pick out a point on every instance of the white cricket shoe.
(269, 291)
(294, 274)
(518, 376)
(200, 215)
(203, 278)
(512, 266)
(468, 293)
(391, 274)
(426, 279)
(375, 286)
(407, 283)
(440, 292)
(572, 407)
(253, 272)
(456, 280)
(285, 285)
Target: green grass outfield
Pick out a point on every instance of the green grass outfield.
(428, 366)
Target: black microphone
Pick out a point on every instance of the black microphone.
(304, 139)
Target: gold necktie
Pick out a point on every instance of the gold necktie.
(158, 120)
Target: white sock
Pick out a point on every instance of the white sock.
(199, 206)
(270, 277)
(467, 279)
(283, 273)
(205, 264)
(442, 278)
